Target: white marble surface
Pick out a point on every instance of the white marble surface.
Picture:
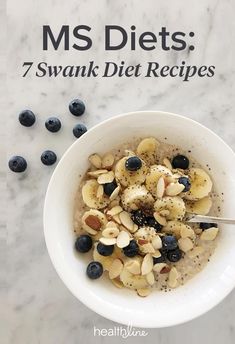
(39, 308)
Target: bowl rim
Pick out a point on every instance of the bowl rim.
(81, 297)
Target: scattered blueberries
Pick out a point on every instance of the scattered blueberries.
(160, 259)
(169, 242)
(110, 187)
(79, 130)
(83, 243)
(180, 161)
(77, 107)
(174, 255)
(27, 118)
(153, 223)
(186, 182)
(48, 158)
(139, 218)
(132, 249)
(204, 225)
(17, 164)
(53, 124)
(133, 163)
(94, 270)
(105, 250)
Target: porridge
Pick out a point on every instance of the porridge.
(130, 216)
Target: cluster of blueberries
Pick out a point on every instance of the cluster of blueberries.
(27, 118)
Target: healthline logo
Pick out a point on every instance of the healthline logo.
(119, 331)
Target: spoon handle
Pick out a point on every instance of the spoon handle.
(210, 219)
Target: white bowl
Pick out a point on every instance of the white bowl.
(159, 309)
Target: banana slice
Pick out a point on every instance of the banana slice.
(153, 176)
(200, 207)
(105, 261)
(147, 150)
(133, 281)
(126, 177)
(89, 195)
(135, 197)
(175, 205)
(201, 184)
(173, 227)
(93, 220)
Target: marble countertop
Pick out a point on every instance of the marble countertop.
(39, 308)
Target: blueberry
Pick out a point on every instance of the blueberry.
(53, 124)
(138, 218)
(133, 163)
(160, 259)
(180, 161)
(132, 249)
(204, 225)
(27, 118)
(186, 182)
(83, 243)
(169, 242)
(48, 158)
(174, 255)
(110, 187)
(153, 223)
(105, 250)
(79, 130)
(94, 270)
(77, 107)
(17, 164)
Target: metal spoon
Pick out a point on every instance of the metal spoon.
(209, 219)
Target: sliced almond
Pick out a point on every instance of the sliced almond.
(209, 234)
(147, 248)
(167, 163)
(126, 220)
(115, 193)
(160, 187)
(124, 229)
(159, 266)
(117, 219)
(173, 277)
(93, 222)
(108, 160)
(185, 244)
(143, 292)
(100, 191)
(133, 266)
(150, 278)
(135, 228)
(187, 232)
(160, 219)
(90, 230)
(147, 264)
(111, 224)
(196, 251)
(115, 268)
(174, 189)
(156, 254)
(95, 160)
(164, 212)
(110, 232)
(115, 210)
(108, 241)
(123, 239)
(117, 283)
(96, 173)
(157, 242)
(114, 203)
(106, 178)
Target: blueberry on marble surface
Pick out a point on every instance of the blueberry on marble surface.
(48, 157)
(17, 164)
(79, 130)
(53, 124)
(77, 107)
(27, 118)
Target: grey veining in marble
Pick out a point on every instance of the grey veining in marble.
(39, 308)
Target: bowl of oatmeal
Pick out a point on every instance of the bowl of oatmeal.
(116, 219)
